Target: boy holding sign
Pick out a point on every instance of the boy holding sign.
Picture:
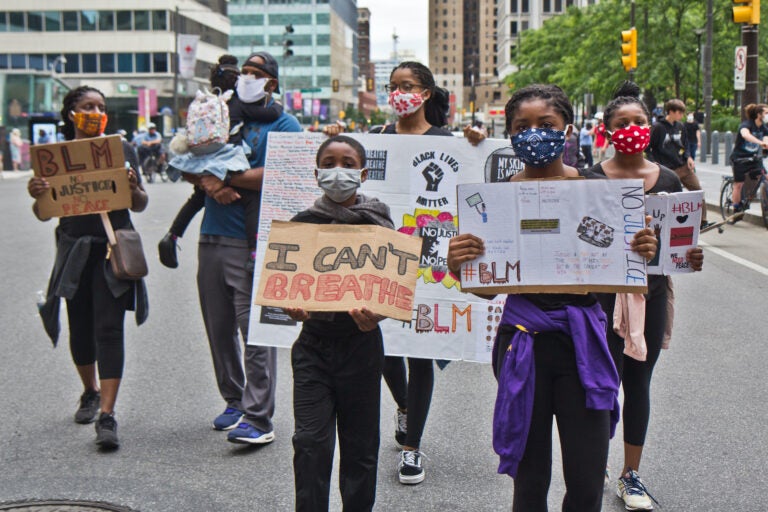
(338, 358)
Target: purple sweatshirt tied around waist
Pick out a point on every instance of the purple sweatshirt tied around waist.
(516, 374)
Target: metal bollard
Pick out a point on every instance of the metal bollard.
(728, 138)
(703, 148)
(715, 147)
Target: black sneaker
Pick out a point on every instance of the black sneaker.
(106, 432)
(410, 470)
(167, 250)
(90, 401)
(705, 225)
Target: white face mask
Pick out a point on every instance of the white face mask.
(250, 89)
(339, 183)
(765, 119)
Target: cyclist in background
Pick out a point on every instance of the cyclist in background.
(747, 156)
(152, 144)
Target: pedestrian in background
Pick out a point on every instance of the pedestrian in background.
(585, 141)
(692, 135)
(550, 355)
(601, 141)
(16, 143)
(628, 122)
(96, 299)
(669, 147)
(338, 358)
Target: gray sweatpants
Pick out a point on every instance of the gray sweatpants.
(224, 287)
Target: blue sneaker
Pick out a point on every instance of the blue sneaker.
(246, 433)
(228, 419)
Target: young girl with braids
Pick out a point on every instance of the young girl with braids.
(628, 126)
(550, 355)
(96, 299)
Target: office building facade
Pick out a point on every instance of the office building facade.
(120, 48)
(323, 49)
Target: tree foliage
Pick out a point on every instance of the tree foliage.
(581, 50)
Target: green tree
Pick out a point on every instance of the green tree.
(580, 50)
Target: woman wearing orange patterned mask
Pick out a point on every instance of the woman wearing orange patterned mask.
(96, 299)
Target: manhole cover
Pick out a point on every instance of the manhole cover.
(63, 506)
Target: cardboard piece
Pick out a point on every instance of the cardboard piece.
(338, 267)
(676, 220)
(86, 176)
(551, 236)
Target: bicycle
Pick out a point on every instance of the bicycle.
(753, 188)
(152, 167)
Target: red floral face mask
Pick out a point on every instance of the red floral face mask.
(631, 139)
(92, 124)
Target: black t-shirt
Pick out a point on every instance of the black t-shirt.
(90, 225)
(667, 182)
(690, 131)
(326, 325)
(743, 149)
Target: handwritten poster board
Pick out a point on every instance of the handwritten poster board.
(86, 176)
(337, 267)
(676, 220)
(553, 236)
(416, 176)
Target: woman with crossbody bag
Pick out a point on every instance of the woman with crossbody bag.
(96, 298)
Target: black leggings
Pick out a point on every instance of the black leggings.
(96, 319)
(413, 393)
(584, 433)
(636, 375)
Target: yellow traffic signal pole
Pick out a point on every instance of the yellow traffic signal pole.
(747, 12)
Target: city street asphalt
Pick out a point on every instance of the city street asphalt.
(705, 447)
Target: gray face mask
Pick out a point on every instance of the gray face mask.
(339, 183)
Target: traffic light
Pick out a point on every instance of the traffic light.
(287, 43)
(335, 85)
(369, 84)
(746, 11)
(629, 49)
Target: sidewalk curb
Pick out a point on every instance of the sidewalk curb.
(15, 175)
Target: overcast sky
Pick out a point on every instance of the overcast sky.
(408, 18)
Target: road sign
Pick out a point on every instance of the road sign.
(312, 89)
(740, 69)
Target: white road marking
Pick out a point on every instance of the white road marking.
(736, 259)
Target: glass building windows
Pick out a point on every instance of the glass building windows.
(90, 64)
(16, 21)
(35, 21)
(52, 21)
(143, 63)
(88, 20)
(107, 62)
(37, 62)
(107, 20)
(124, 20)
(141, 20)
(70, 20)
(159, 20)
(125, 63)
(18, 61)
(160, 62)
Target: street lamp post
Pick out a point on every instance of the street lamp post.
(699, 32)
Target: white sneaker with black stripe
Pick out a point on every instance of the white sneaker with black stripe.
(634, 493)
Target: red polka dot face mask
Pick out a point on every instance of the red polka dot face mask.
(631, 139)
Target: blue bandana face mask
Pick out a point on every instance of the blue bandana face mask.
(539, 147)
